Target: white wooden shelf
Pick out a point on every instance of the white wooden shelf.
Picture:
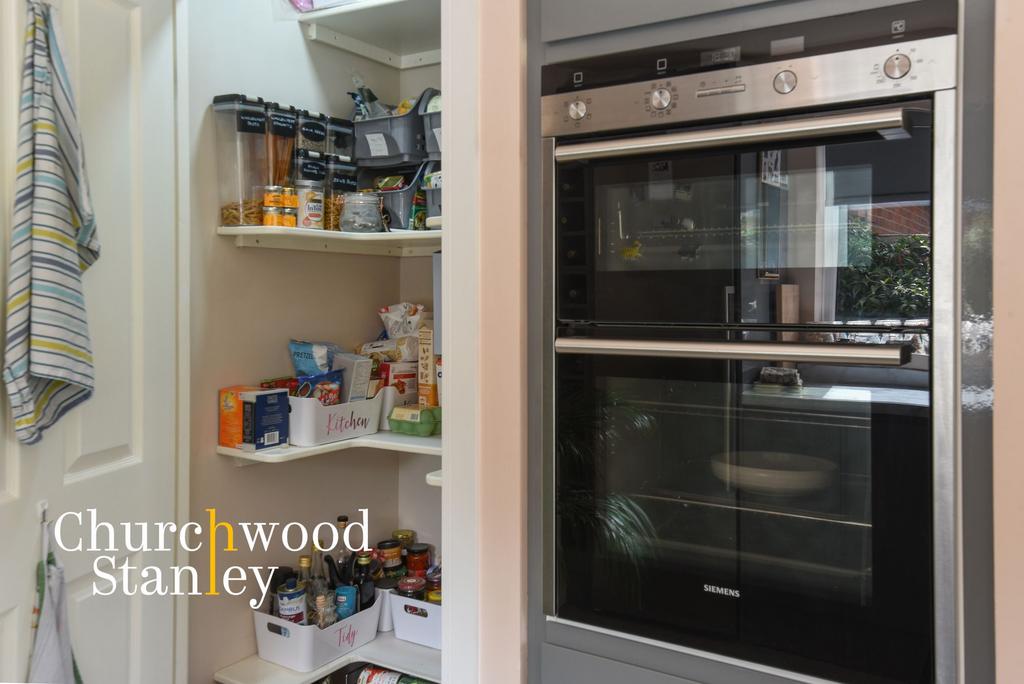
(434, 478)
(385, 650)
(400, 33)
(388, 441)
(398, 243)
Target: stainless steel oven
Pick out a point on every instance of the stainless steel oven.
(750, 362)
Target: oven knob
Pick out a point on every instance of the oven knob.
(577, 110)
(661, 98)
(785, 82)
(897, 66)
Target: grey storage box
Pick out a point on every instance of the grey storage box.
(397, 203)
(431, 128)
(393, 140)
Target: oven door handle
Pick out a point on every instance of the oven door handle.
(841, 354)
(886, 122)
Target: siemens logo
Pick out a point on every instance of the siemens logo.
(712, 589)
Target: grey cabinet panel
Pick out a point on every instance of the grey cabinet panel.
(561, 19)
(565, 666)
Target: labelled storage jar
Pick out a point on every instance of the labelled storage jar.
(340, 138)
(241, 158)
(310, 172)
(312, 134)
(282, 124)
(341, 180)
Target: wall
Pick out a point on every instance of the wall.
(247, 303)
(1009, 364)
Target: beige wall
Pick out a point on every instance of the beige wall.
(1008, 475)
(247, 303)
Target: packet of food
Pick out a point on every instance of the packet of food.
(418, 211)
(401, 319)
(388, 183)
(398, 349)
(312, 358)
(325, 387)
(287, 382)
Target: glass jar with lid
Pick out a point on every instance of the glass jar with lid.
(361, 213)
(241, 158)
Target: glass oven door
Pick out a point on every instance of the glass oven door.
(765, 496)
(824, 220)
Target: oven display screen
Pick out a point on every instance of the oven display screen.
(729, 55)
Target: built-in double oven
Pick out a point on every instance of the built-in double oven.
(749, 361)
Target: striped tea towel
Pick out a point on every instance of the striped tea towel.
(48, 359)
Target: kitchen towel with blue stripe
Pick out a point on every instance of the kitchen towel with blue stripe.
(48, 365)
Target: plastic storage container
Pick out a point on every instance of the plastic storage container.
(432, 125)
(312, 134)
(341, 180)
(392, 140)
(306, 647)
(396, 204)
(241, 158)
(311, 423)
(282, 123)
(432, 182)
(416, 621)
(340, 138)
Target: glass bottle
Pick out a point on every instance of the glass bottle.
(319, 587)
(344, 555)
(363, 580)
(326, 613)
(305, 580)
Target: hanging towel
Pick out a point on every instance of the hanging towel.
(52, 658)
(48, 366)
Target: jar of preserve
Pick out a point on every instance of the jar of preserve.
(405, 538)
(412, 587)
(433, 592)
(417, 560)
(390, 553)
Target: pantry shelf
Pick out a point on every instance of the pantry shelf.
(398, 243)
(400, 33)
(385, 650)
(434, 478)
(388, 441)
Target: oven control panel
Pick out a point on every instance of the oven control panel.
(893, 70)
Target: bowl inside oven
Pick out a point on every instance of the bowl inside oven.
(773, 473)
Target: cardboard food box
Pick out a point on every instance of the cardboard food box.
(252, 418)
(402, 376)
(357, 376)
(427, 381)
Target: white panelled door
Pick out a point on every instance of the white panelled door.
(115, 453)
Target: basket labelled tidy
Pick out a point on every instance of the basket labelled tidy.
(304, 648)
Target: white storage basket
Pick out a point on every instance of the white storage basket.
(313, 424)
(306, 647)
(416, 621)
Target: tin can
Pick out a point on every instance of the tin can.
(289, 218)
(311, 204)
(289, 198)
(345, 601)
(273, 196)
(272, 216)
(291, 601)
